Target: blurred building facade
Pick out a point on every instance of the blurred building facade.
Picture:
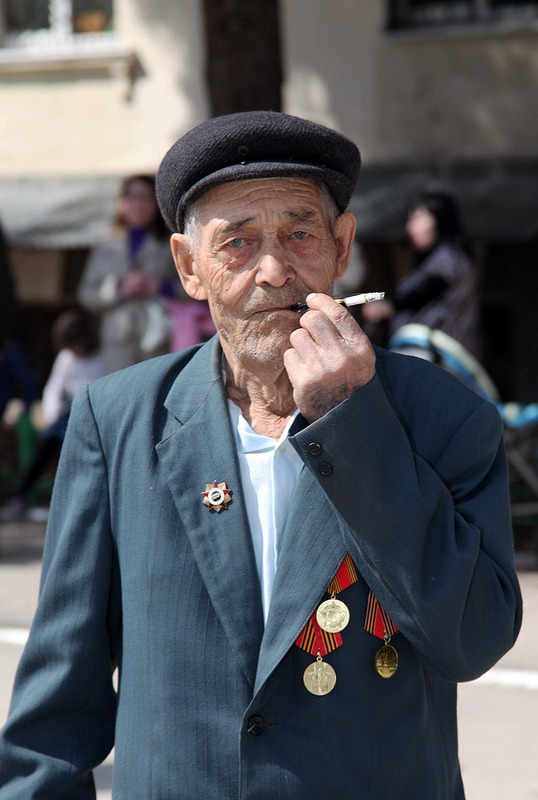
(433, 92)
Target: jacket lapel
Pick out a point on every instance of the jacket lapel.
(312, 549)
(198, 449)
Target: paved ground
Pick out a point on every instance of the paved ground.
(498, 714)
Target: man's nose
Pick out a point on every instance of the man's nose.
(274, 268)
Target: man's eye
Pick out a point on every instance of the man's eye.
(300, 235)
(239, 242)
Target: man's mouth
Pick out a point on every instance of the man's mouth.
(274, 305)
(293, 307)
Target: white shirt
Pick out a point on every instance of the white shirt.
(69, 372)
(269, 472)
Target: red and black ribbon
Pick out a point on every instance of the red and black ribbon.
(315, 640)
(377, 621)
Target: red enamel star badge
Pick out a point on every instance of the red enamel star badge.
(216, 496)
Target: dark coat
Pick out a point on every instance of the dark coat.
(137, 570)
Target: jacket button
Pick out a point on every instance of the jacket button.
(326, 470)
(314, 449)
(255, 725)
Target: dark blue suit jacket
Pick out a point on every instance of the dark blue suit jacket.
(138, 572)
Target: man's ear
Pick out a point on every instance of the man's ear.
(344, 233)
(186, 266)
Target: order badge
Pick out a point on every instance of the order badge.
(216, 496)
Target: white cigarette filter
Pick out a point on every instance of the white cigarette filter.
(360, 299)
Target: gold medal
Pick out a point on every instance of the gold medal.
(386, 660)
(332, 615)
(319, 678)
(321, 634)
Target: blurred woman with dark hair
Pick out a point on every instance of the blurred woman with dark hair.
(442, 292)
(128, 276)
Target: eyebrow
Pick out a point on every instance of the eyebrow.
(233, 227)
(301, 215)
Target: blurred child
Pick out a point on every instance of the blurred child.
(78, 362)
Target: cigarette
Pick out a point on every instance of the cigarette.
(352, 300)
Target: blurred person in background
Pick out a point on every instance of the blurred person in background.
(443, 291)
(8, 298)
(356, 273)
(17, 378)
(77, 363)
(127, 278)
(18, 381)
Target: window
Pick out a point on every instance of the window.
(31, 21)
(436, 13)
(39, 36)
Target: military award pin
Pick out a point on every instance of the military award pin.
(216, 496)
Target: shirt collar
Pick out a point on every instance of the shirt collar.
(247, 440)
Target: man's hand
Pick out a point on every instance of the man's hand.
(329, 359)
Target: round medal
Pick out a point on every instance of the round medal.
(319, 678)
(332, 615)
(386, 661)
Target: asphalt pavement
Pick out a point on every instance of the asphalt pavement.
(498, 714)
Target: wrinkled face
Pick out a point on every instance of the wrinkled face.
(262, 245)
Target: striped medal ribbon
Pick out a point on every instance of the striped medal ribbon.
(378, 623)
(322, 633)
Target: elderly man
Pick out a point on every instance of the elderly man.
(293, 546)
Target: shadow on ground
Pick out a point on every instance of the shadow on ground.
(21, 542)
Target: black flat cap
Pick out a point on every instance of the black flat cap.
(254, 144)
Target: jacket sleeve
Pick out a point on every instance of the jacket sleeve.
(428, 527)
(61, 721)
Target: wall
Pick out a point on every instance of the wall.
(402, 98)
(330, 52)
(411, 98)
(78, 121)
(460, 98)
